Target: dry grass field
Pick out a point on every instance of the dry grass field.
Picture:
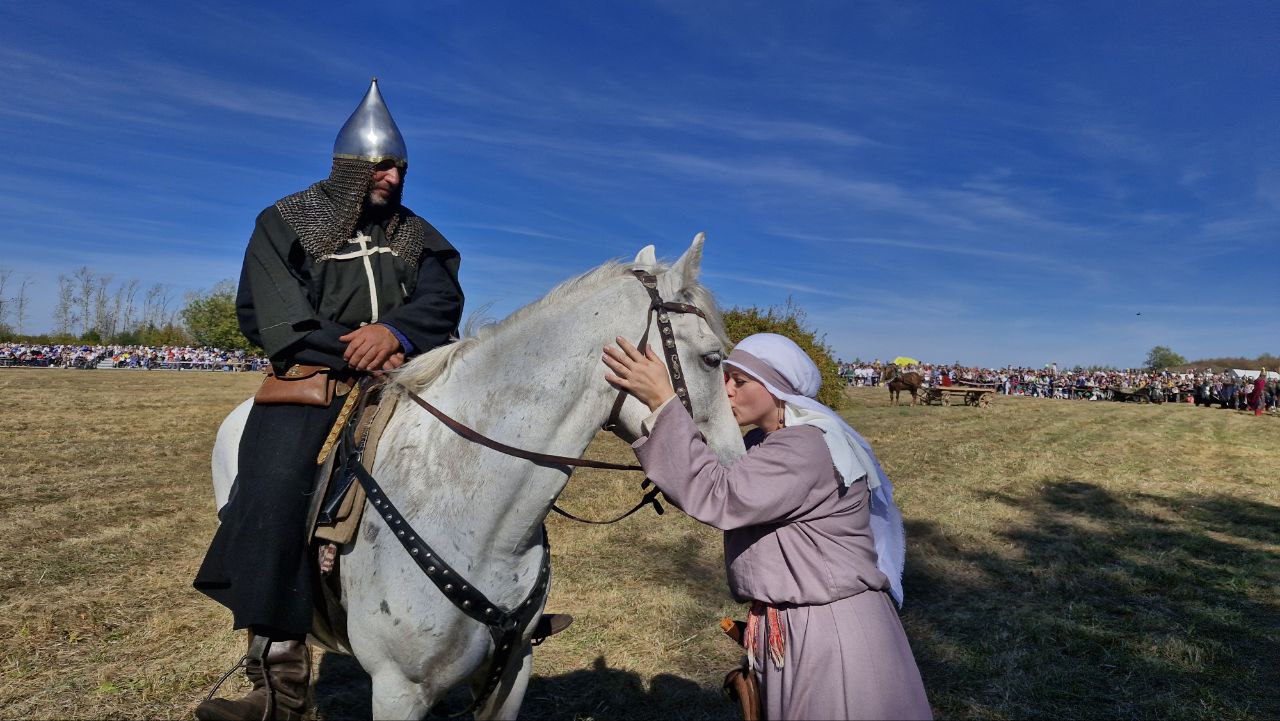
(1066, 559)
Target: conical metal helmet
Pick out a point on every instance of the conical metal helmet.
(370, 133)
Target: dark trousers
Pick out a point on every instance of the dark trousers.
(258, 564)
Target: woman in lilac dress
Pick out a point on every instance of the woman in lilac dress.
(812, 539)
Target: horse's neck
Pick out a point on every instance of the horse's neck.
(535, 383)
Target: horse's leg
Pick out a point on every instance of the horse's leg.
(396, 697)
(504, 703)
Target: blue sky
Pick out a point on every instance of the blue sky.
(986, 182)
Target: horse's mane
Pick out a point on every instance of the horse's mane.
(428, 367)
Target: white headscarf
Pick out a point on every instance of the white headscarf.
(787, 372)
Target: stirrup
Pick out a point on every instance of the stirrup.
(549, 624)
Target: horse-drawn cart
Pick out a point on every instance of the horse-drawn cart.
(979, 396)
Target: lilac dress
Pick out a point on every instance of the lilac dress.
(796, 538)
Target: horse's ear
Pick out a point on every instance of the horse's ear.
(647, 256)
(687, 268)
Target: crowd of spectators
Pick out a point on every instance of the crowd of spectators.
(76, 355)
(1204, 387)
(1201, 387)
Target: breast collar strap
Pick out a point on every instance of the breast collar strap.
(505, 626)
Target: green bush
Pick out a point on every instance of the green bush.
(789, 320)
(210, 317)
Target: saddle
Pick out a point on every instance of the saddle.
(337, 503)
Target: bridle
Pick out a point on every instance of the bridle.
(506, 626)
(662, 309)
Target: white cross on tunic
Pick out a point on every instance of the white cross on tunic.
(364, 254)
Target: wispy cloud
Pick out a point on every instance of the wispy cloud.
(263, 100)
(950, 248)
(513, 98)
(510, 229)
(746, 128)
(973, 208)
(870, 299)
(1153, 309)
(787, 285)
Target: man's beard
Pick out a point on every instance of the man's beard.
(392, 199)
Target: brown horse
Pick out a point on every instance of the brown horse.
(902, 382)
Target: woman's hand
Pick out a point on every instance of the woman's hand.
(640, 374)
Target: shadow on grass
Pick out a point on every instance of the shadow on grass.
(680, 563)
(1091, 606)
(343, 691)
(1101, 607)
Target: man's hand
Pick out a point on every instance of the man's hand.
(395, 361)
(370, 347)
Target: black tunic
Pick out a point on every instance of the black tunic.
(296, 307)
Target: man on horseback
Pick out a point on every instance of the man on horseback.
(339, 275)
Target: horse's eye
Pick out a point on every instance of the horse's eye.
(712, 359)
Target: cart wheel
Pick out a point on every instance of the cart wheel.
(946, 399)
(985, 400)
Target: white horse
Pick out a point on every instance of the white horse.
(534, 380)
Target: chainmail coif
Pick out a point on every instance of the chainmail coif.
(325, 215)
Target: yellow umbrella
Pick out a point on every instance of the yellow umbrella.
(905, 361)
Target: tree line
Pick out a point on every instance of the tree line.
(93, 307)
(1163, 358)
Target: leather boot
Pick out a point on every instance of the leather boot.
(287, 697)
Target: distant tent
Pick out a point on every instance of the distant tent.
(1239, 374)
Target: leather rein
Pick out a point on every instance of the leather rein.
(542, 459)
(657, 306)
(506, 626)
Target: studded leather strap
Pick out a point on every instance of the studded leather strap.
(506, 626)
(667, 336)
(663, 309)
